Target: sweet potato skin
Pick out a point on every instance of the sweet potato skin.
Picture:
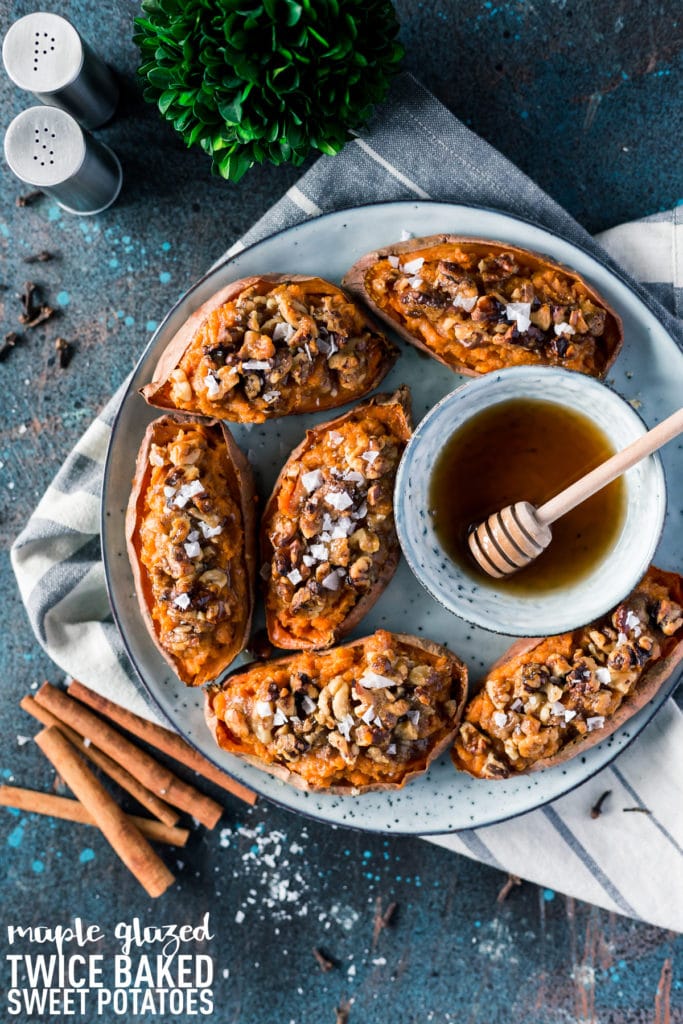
(244, 493)
(650, 682)
(459, 676)
(354, 282)
(400, 407)
(156, 392)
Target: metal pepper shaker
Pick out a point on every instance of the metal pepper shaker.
(44, 54)
(46, 148)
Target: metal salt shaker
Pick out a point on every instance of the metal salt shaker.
(46, 148)
(44, 54)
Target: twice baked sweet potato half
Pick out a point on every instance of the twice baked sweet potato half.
(328, 538)
(190, 531)
(548, 700)
(479, 306)
(368, 715)
(271, 346)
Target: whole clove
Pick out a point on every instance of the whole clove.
(44, 313)
(636, 810)
(26, 298)
(65, 351)
(9, 343)
(33, 314)
(324, 963)
(29, 198)
(512, 881)
(342, 1012)
(40, 257)
(382, 919)
(596, 809)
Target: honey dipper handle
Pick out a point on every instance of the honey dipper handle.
(602, 475)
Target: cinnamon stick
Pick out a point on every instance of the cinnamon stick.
(161, 810)
(33, 802)
(123, 836)
(153, 775)
(166, 740)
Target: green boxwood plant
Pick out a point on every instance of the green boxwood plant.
(266, 80)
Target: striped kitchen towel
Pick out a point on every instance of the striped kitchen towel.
(626, 862)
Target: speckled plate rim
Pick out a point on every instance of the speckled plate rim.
(602, 754)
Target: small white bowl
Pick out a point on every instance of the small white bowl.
(485, 603)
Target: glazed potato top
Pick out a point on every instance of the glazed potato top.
(331, 532)
(491, 311)
(566, 687)
(191, 544)
(273, 350)
(356, 715)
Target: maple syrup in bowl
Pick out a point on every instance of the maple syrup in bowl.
(527, 449)
(524, 434)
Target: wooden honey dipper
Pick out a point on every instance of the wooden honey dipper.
(511, 539)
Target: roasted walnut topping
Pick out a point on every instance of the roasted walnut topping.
(278, 347)
(329, 533)
(334, 718)
(489, 311)
(529, 710)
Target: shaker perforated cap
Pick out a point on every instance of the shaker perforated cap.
(44, 54)
(46, 148)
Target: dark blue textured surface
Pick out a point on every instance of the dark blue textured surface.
(585, 97)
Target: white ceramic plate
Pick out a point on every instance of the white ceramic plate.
(649, 372)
